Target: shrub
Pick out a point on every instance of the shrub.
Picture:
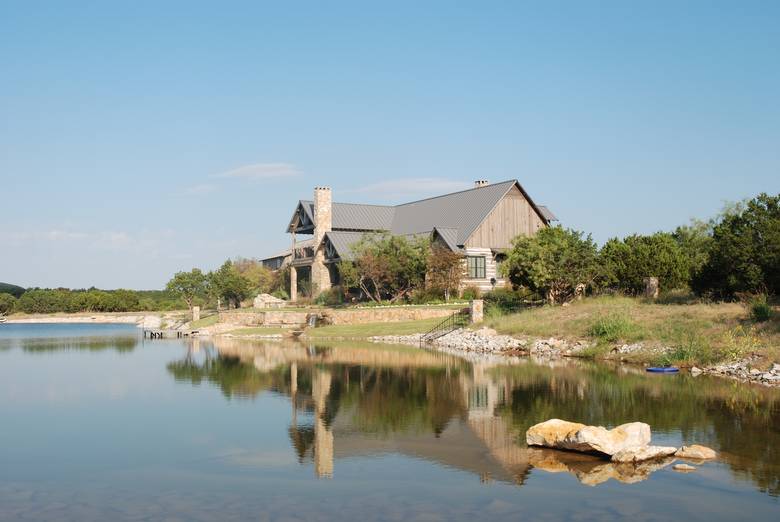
(555, 262)
(760, 309)
(613, 327)
(738, 343)
(694, 349)
(628, 261)
(281, 293)
(505, 301)
(7, 303)
(332, 297)
(676, 297)
(471, 292)
(745, 251)
(427, 295)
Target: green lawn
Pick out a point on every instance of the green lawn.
(206, 321)
(371, 329)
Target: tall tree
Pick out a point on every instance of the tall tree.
(228, 284)
(262, 280)
(745, 252)
(386, 266)
(445, 269)
(188, 285)
(628, 261)
(555, 262)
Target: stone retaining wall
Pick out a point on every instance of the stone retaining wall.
(385, 315)
(348, 316)
(268, 318)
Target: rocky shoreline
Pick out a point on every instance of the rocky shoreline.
(476, 344)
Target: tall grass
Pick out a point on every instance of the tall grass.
(616, 326)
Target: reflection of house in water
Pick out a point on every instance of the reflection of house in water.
(353, 401)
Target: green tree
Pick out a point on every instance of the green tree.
(555, 262)
(386, 266)
(262, 280)
(7, 303)
(695, 241)
(228, 284)
(188, 285)
(628, 261)
(745, 252)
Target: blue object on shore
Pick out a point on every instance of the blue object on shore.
(658, 369)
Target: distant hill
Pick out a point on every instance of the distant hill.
(6, 288)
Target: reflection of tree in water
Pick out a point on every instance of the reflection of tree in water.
(93, 344)
(233, 377)
(302, 438)
(717, 412)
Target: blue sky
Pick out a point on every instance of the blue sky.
(142, 138)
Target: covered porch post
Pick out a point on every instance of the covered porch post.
(293, 284)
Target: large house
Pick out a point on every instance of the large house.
(479, 223)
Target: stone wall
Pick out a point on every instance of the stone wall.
(269, 318)
(348, 316)
(385, 315)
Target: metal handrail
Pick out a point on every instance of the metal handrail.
(453, 322)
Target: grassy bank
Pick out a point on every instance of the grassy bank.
(372, 329)
(696, 333)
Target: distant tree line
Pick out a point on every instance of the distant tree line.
(54, 300)
(234, 282)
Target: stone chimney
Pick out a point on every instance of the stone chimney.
(323, 223)
(323, 215)
(481, 183)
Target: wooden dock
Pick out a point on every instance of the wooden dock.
(168, 334)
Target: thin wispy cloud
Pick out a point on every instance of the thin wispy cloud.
(202, 188)
(410, 187)
(261, 171)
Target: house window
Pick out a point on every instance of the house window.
(476, 267)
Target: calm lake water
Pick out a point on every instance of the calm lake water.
(96, 424)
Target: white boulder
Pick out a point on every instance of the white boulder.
(643, 453)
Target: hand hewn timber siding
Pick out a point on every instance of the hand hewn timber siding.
(512, 216)
(490, 271)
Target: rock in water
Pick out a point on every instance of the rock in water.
(683, 467)
(551, 433)
(608, 442)
(643, 453)
(560, 434)
(695, 451)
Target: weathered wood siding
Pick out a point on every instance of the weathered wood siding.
(490, 271)
(512, 217)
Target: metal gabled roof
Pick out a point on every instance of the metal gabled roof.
(449, 236)
(356, 216)
(547, 213)
(287, 252)
(342, 242)
(463, 211)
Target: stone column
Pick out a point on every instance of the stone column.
(476, 308)
(196, 313)
(323, 220)
(651, 287)
(293, 284)
(323, 435)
